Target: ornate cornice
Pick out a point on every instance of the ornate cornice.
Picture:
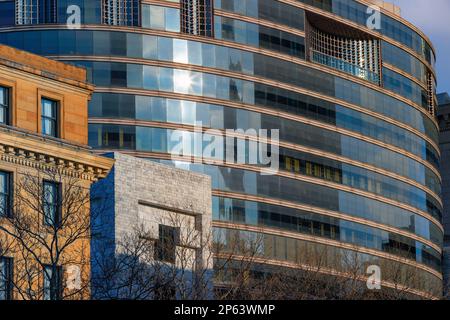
(33, 151)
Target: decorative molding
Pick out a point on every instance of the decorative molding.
(37, 152)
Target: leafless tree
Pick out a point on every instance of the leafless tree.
(139, 266)
(48, 235)
(318, 272)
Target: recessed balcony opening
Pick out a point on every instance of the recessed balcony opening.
(344, 48)
(35, 11)
(121, 12)
(197, 17)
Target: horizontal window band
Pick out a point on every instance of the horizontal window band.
(244, 77)
(324, 212)
(311, 8)
(266, 111)
(243, 47)
(265, 81)
(405, 74)
(274, 84)
(314, 181)
(261, 22)
(337, 244)
(302, 62)
(327, 271)
(190, 128)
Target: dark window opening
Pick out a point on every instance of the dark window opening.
(52, 283)
(165, 246)
(6, 194)
(51, 201)
(49, 117)
(5, 108)
(6, 278)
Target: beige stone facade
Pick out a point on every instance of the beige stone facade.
(30, 161)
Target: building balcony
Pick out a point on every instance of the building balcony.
(344, 66)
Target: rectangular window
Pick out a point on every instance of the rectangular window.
(4, 105)
(165, 246)
(161, 18)
(5, 194)
(52, 203)
(52, 283)
(49, 117)
(121, 12)
(6, 278)
(165, 291)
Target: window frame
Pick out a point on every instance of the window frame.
(55, 119)
(48, 292)
(6, 108)
(8, 194)
(57, 208)
(166, 244)
(9, 266)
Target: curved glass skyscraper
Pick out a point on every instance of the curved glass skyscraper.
(355, 106)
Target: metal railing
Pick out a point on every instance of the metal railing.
(342, 65)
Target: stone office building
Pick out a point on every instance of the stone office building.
(46, 169)
(154, 228)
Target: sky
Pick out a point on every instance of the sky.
(433, 18)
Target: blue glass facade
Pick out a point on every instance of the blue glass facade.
(359, 162)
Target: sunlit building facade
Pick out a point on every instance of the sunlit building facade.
(359, 155)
